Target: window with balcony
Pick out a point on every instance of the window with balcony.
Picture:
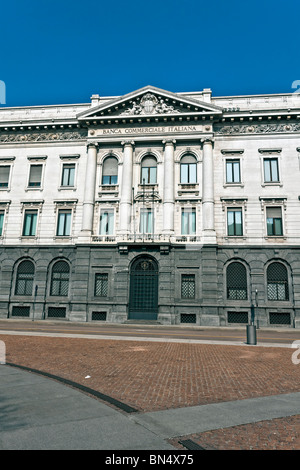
(107, 222)
(2, 213)
(188, 221)
(147, 220)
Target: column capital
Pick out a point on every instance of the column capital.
(207, 140)
(91, 143)
(126, 143)
(169, 142)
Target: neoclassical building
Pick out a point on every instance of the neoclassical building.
(179, 208)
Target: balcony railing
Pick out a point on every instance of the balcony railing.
(147, 237)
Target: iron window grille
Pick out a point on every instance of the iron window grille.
(280, 318)
(25, 277)
(20, 311)
(237, 317)
(236, 282)
(60, 279)
(101, 285)
(187, 286)
(99, 316)
(187, 318)
(277, 282)
(56, 312)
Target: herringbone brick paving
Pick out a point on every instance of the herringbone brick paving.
(155, 375)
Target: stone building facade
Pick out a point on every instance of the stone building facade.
(154, 206)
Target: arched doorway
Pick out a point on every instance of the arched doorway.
(143, 297)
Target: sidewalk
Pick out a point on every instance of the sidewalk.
(41, 414)
(178, 390)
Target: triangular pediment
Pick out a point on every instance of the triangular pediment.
(147, 102)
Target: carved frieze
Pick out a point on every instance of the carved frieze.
(42, 136)
(267, 128)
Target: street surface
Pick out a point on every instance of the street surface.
(228, 334)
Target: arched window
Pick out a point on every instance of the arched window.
(60, 279)
(149, 167)
(236, 281)
(24, 279)
(277, 282)
(188, 169)
(110, 171)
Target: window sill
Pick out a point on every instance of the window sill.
(233, 185)
(69, 188)
(272, 183)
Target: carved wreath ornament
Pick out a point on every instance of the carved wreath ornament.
(149, 104)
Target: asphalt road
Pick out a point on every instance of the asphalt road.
(228, 334)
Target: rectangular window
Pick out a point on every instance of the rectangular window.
(233, 174)
(188, 221)
(101, 285)
(4, 176)
(188, 286)
(1, 222)
(30, 220)
(147, 221)
(107, 222)
(68, 174)
(271, 170)
(274, 222)
(188, 173)
(149, 175)
(35, 176)
(64, 223)
(234, 222)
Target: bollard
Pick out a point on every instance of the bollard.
(251, 334)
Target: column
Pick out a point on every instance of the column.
(169, 191)
(126, 188)
(208, 192)
(89, 190)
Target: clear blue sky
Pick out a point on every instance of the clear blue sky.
(63, 51)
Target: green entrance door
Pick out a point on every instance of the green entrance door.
(143, 297)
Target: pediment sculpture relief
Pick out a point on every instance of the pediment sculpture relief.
(149, 104)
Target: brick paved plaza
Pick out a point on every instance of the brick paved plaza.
(152, 376)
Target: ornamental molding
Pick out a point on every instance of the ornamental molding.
(42, 136)
(258, 128)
